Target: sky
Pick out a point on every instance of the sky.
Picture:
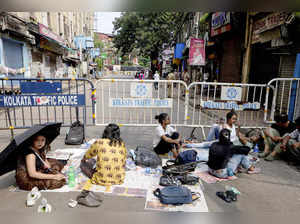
(104, 21)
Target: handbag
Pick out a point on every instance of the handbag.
(175, 195)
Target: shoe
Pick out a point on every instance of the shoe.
(85, 198)
(271, 158)
(256, 170)
(263, 154)
(33, 196)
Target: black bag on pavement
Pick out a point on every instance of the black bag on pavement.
(76, 135)
(146, 157)
(175, 195)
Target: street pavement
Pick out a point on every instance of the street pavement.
(276, 190)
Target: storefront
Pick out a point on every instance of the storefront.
(53, 48)
(15, 42)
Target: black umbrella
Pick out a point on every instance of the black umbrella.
(8, 157)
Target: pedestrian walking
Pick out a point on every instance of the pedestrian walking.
(156, 78)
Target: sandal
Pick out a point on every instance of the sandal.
(223, 196)
(230, 194)
(256, 170)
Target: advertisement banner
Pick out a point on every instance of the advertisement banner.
(197, 52)
(220, 23)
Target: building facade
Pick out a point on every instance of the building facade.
(43, 42)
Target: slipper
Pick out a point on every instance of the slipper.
(232, 177)
(95, 196)
(223, 196)
(256, 170)
(230, 194)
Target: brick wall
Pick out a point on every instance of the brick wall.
(230, 69)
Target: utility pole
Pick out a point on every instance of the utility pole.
(247, 54)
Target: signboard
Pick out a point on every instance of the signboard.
(141, 90)
(41, 87)
(231, 93)
(220, 23)
(197, 52)
(230, 105)
(269, 22)
(48, 33)
(140, 103)
(42, 100)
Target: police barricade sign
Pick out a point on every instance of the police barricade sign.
(42, 100)
(36, 101)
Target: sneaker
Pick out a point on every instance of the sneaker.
(33, 196)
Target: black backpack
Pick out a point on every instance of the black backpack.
(146, 157)
(76, 135)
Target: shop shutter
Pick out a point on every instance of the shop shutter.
(286, 70)
(13, 57)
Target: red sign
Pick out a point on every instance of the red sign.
(197, 52)
(48, 33)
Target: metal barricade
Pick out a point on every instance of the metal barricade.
(133, 102)
(283, 95)
(210, 101)
(35, 101)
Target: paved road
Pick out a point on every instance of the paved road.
(276, 190)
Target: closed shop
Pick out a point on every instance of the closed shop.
(13, 55)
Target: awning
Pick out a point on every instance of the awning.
(71, 59)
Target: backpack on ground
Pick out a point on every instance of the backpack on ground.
(146, 157)
(175, 195)
(76, 135)
(186, 157)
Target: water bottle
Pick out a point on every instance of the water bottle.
(230, 172)
(71, 177)
(256, 149)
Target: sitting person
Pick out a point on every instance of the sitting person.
(225, 158)
(166, 138)
(290, 145)
(111, 157)
(275, 134)
(236, 137)
(34, 170)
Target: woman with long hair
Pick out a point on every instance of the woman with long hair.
(111, 157)
(166, 138)
(34, 170)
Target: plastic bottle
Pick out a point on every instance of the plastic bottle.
(71, 177)
(256, 149)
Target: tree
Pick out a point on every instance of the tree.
(149, 32)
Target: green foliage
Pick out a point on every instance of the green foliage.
(144, 62)
(146, 31)
(98, 43)
(99, 62)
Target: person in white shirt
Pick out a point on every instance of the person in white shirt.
(156, 78)
(166, 138)
(236, 137)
